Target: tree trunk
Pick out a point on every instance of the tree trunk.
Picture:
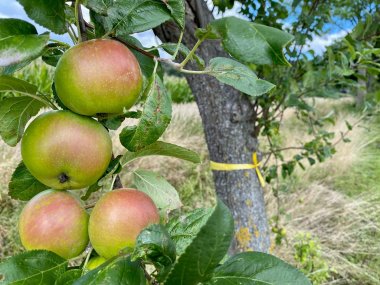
(228, 119)
(361, 90)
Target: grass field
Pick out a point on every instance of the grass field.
(331, 211)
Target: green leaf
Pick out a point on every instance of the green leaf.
(154, 120)
(238, 76)
(23, 186)
(256, 268)
(12, 27)
(12, 84)
(184, 229)
(163, 194)
(53, 53)
(249, 42)
(177, 10)
(32, 267)
(205, 251)
(293, 100)
(162, 148)
(69, 277)
(14, 115)
(114, 122)
(17, 51)
(128, 17)
(113, 168)
(115, 271)
(91, 189)
(154, 245)
(48, 13)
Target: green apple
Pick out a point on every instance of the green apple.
(118, 218)
(98, 76)
(55, 221)
(64, 150)
(95, 262)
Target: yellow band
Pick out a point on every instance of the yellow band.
(230, 167)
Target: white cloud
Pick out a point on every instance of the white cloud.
(319, 43)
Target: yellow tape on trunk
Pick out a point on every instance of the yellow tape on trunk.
(218, 166)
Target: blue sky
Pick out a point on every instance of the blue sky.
(12, 9)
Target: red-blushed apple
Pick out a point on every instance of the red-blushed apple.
(55, 221)
(98, 76)
(64, 150)
(118, 218)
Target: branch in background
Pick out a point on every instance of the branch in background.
(150, 279)
(343, 135)
(82, 25)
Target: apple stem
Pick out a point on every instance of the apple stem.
(87, 259)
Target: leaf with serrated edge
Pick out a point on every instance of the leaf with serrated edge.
(164, 149)
(14, 115)
(128, 17)
(154, 245)
(32, 267)
(238, 76)
(185, 228)
(12, 84)
(177, 9)
(17, 51)
(163, 194)
(12, 27)
(256, 268)
(154, 120)
(69, 277)
(23, 185)
(48, 13)
(205, 251)
(249, 42)
(119, 270)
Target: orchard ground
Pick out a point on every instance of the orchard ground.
(331, 211)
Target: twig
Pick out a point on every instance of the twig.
(76, 11)
(150, 279)
(81, 25)
(178, 45)
(71, 33)
(87, 259)
(191, 53)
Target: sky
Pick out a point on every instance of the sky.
(12, 9)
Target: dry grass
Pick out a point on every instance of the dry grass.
(346, 227)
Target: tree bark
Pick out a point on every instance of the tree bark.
(228, 119)
(361, 90)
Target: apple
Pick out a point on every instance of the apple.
(95, 262)
(118, 218)
(64, 150)
(55, 221)
(98, 76)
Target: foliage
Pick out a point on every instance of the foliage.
(178, 89)
(350, 67)
(181, 253)
(308, 255)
